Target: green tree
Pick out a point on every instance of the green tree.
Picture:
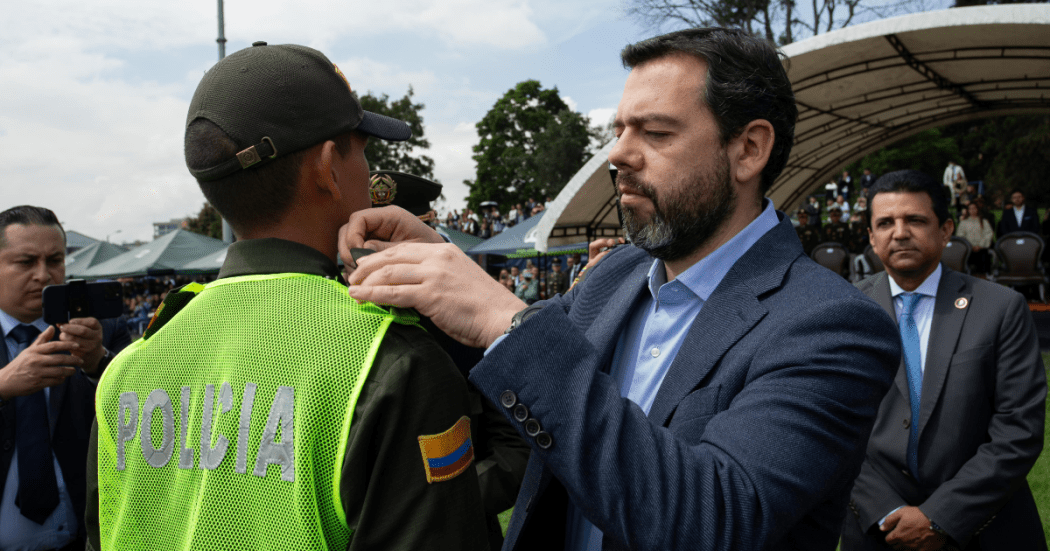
(531, 143)
(402, 156)
(928, 151)
(207, 222)
(1006, 153)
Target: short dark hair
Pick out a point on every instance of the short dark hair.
(745, 81)
(247, 199)
(1016, 190)
(27, 215)
(911, 181)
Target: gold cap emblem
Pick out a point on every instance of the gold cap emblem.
(383, 189)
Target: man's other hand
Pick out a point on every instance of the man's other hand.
(87, 334)
(381, 228)
(443, 284)
(600, 247)
(909, 529)
(42, 364)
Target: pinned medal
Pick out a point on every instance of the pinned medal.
(383, 189)
(961, 303)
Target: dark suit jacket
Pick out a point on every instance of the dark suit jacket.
(756, 432)
(981, 420)
(1029, 221)
(71, 410)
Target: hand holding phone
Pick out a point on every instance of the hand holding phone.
(42, 364)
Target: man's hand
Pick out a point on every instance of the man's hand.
(600, 247)
(381, 228)
(42, 364)
(443, 284)
(87, 334)
(909, 529)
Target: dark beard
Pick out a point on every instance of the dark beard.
(684, 223)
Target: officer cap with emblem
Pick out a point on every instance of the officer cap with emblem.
(276, 100)
(408, 191)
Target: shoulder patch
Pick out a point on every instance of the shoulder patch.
(448, 454)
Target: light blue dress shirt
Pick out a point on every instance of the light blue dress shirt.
(18, 533)
(657, 330)
(923, 315)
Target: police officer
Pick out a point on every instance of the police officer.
(268, 410)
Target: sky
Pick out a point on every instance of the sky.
(94, 95)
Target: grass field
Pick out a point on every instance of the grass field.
(1038, 479)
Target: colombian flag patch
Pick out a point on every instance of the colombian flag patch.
(447, 455)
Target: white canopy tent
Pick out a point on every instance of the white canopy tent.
(862, 88)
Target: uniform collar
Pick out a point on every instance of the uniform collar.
(276, 256)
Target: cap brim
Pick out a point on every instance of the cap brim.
(383, 127)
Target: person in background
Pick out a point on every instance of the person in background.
(808, 235)
(957, 434)
(1018, 216)
(47, 388)
(529, 288)
(557, 279)
(975, 229)
(866, 181)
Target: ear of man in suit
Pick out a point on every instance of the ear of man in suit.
(951, 471)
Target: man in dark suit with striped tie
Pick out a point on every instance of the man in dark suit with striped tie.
(46, 396)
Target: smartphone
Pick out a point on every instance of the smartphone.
(80, 299)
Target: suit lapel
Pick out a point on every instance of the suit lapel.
(944, 335)
(613, 316)
(729, 313)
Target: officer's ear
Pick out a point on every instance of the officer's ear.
(320, 169)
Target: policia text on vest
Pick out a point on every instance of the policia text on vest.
(269, 452)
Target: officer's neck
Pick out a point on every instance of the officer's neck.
(301, 228)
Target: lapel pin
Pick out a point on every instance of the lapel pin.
(961, 303)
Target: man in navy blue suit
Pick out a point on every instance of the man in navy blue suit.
(1018, 217)
(47, 401)
(709, 387)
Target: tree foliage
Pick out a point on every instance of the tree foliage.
(402, 156)
(531, 143)
(1003, 152)
(779, 21)
(207, 222)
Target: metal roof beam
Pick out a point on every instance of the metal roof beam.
(930, 74)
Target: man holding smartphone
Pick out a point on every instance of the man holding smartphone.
(46, 396)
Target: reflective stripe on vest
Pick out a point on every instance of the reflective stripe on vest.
(227, 428)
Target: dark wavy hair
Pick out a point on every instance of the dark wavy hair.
(745, 81)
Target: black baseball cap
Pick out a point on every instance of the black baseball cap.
(412, 193)
(276, 100)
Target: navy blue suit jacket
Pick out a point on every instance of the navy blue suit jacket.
(757, 431)
(71, 411)
(1029, 221)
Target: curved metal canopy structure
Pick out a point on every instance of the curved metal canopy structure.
(862, 88)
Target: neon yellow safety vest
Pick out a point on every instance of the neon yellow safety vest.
(226, 428)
